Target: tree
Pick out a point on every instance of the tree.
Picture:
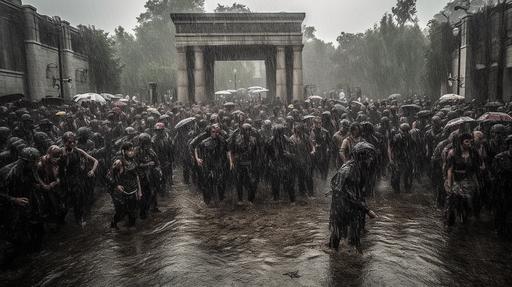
(309, 32)
(235, 8)
(104, 67)
(149, 55)
(405, 11)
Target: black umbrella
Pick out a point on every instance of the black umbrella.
(185, 122)
(10, 98)
(424, 114)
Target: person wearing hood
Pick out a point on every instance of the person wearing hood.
(348, 206)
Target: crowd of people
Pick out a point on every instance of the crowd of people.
(57, 158)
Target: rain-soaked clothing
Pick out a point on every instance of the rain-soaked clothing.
(348, 206)
(74, 174)
(321, 139)
(402, 150)
(150, 178)
(303, 169)
(502, 167)
(244, 150)
(460, 199)
(125, 203)
(213, 152)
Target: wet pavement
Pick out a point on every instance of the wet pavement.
(269, 244)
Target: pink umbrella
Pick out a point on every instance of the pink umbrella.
(495, 117)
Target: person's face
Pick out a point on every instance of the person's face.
(55, 157)
(130, 153)
(356, 132)
(466, 144)
(214, 133)
(70, 143)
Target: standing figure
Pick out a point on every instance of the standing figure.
(125, 188)
(400, 158)
(243, 155)
(74, 175)
(280, 161)
(48, 170)
(348, 206)
(164, 149)
(321, 139)
(150, 175)
(463, 166)
(212, 157)
(303, 149)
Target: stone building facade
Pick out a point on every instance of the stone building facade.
(485, 61)
(30, 46)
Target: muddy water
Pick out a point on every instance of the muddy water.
(278, 244)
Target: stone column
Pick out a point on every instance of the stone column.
(182, 76)
(298, 85)
(35, 75)
(199, 76)
(68, 71)
(281, 74)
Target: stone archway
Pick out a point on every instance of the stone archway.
(203, 38)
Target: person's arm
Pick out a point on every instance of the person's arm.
(198, 160)
(343, 150)
(89, 157)
(231, 160)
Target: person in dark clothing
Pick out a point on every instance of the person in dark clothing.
(463, 166)
(401, 150)
(74, 174)
(348, 205)
(243, 155)
(322, 141)
(22, 204)
(124, 186)
(303, 149)
(280, 157)
(48, 171)
(164, 149)
(502, 167)
(150, 175)
(212, 158)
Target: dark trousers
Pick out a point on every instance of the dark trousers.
(286, 179)
(213, 183)
(401, 172)
(246, 178)
(305, 180)
(125, 205)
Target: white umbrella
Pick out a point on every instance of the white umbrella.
(450, 98)
(262, 90)
(255, 88)
(222, 93)
(315, 97)
(232, 91)
(90, 97)
(107, 96)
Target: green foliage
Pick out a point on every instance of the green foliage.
(149, 55)
(317, 65)
(386, 59)
(104, 67)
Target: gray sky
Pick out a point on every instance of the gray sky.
(330, 17)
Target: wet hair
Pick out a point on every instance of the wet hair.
(355, 126)
(127, 146)
(67, 136)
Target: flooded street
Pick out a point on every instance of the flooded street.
(267, 244)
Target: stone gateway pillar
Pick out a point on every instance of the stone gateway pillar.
(281, 73)
(298, 85)
(203, 38)
(182, 76)
(199, 76)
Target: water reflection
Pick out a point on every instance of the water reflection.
(270, 245)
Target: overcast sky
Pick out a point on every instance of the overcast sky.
(330, 17)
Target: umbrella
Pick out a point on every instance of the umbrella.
(340, 108)
(124, 100)
(410, 109)
(231, 91)
(493, 104)
(394, 97)
(256, 88)
(90, 97)
(10, 98)
(60, 114)
(458, 121)
(184, 122)
(259, 91)
(315, 97)
(229, 104)
(222, 93)
(451, 98)
(495, 117)
(308, 117)
(52, 101)
(108, 97)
